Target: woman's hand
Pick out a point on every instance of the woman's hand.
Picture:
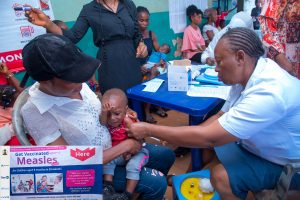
(138, 130)
(3, 69)
(133, 146)
(141, 51)
(131, 114)
(144, 70)
(37, 17)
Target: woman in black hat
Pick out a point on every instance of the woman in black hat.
(115, 32)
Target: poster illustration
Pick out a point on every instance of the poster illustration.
(16, 31)
(60, 172)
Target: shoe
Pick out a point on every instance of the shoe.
(121, 196)
(160, 112)
(150, 119)
(108, 189)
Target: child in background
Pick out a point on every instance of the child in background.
(115, 116)
(156, 63)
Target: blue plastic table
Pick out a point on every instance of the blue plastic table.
(195, 107)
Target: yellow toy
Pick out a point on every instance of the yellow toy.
(190, 189)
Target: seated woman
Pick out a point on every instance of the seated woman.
(62, 110)
(193, 43)
(210, 29)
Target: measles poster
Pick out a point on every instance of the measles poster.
(16, 31)
(56, 172)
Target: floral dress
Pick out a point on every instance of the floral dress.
(280, 25)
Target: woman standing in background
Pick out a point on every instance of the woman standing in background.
(115, 32)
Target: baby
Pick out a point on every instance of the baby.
(157, 61)
(114, 114)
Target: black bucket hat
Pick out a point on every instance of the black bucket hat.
(51, 55)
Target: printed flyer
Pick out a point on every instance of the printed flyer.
(56, 172)
(16, 31)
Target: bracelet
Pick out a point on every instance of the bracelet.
(8, 76)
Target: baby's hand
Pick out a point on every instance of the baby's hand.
(106, 107)
(144, 69)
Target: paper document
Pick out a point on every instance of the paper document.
(152, 85)
(221, 92)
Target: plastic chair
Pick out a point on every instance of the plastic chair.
(280, 191)
(17, 120)
(177, 181)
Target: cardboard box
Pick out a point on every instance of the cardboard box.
(178, 75)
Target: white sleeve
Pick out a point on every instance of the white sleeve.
(256, 111)
(43, 128)
(5, 134)
(205, 55)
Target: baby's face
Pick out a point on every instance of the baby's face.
(164, 49)
(117, 113)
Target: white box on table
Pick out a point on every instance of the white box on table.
(178, 75)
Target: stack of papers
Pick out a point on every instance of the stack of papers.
(153, 85)
(215, 91)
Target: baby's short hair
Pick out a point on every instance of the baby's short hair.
(116, 92)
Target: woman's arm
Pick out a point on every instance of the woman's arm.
(130, 146)
(39, 18)
(155, 41)
(206, 136)
(141, 49)
(10, 78)
(75, 34)
(59, 141)
(284, 63)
